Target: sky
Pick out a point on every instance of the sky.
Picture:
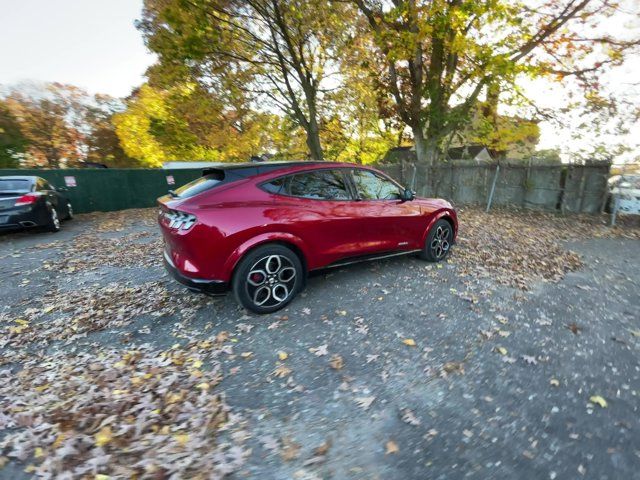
(92, 44)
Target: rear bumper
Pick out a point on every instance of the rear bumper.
(207, 286)
(17, 218)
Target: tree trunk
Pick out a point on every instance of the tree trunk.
(421, 145)
(433, 151)
(313, 141)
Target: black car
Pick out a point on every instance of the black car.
(32, 202)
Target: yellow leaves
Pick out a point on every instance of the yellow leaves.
(197, 364)
(554, 382)
(391, 448)
(103, 437)
(173, 397)
(410, 342)
(41, 388)
(22, 327)
(101, 476)
(502, 351)
(38, 452)
(181, 439)
(635, 333)
(203, 386)
(246, 355)
(58, 441)
(598, 400)
(283, 355)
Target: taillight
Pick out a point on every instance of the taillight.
(179, 220)
(28, 199)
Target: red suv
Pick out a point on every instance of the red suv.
(259, 228)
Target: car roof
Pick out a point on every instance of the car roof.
(30, 178)
(252, 169)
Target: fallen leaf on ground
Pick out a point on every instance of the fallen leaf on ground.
(365, 402)
(282, 371)
(575, 329)
(283, 355)
(103, 437)
(598, 400)
(501, 350)
(407, 416)
(319, 351)
(391, 448)
(336, 362)
(409, 342)
(290, 449)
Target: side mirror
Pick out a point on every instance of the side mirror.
(407, 195)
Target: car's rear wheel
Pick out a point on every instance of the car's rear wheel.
(268, 278)
(53, 225)
(69, 211)
(438, 243)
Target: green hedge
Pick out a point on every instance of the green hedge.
(106, 189)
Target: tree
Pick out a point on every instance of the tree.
(437, 58)
(186, 122)
(12, 142)
(282, 53)
(49, 118)
(102, 142)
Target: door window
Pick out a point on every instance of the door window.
(320, 184)
(374, 187)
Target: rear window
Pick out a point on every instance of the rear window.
(15, 186)
(198, 186)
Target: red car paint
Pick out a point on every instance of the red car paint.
(235, 217)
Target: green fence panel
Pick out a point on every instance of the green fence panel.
(107, 189)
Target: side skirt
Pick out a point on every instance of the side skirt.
(366, 258)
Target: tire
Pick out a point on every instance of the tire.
(263, 271)
(69, 211)
(438, 243)
(53, 225)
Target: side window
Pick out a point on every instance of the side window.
(373, 187)
(275, 186)
(320, 184)
(42, 184)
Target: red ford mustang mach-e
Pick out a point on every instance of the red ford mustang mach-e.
(259, 228)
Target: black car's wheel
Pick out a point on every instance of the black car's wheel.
(438, 243)
(53, 224)
(268, 278)
(69, 211)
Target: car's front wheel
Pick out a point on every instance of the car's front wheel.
(268, 278)
(438, 243)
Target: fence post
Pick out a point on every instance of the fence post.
(412, 185)
(493, 187)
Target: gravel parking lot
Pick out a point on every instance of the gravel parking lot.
(517, 358)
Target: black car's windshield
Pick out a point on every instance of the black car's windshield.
(10, 186)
